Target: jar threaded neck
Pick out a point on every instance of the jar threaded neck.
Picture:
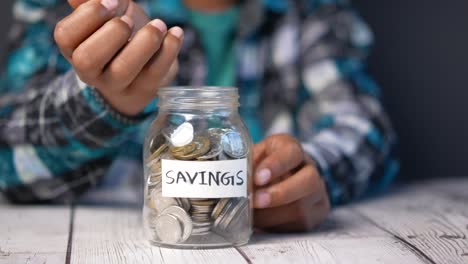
(198, 97)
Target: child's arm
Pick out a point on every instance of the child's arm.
(57, 135)
(352, 139)
(342, 125)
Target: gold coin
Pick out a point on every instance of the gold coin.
(207, 202)
(158, 152)
(184, 150)
(156, 167)
(202, 147)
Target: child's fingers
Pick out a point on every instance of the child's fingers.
(282, 154)
(138, 15)
(90, 58)
(171, 74)
(127, 65)
(258, 152)
(136, 94)
(303, 183)
(159, 66)
(79, 25)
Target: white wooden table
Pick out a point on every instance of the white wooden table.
(423, 223)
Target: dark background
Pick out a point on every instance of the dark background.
(421, 61)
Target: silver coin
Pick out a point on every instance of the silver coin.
(241, 219)
(201, 220)
(219, 207)
(182, 135)
(202, 208)
(201, 224)
(201, 231)
(202, 201)
(159, 203)
(223, 156)
(233, 213)
(202, 217)
(222, 214)
(214, 152)
(233, 145)
(215, 132)
(184, 219)
(184, 203)
(227, 214)
(214, 135)
(168, 228)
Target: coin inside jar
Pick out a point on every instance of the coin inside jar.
(183, 217)
(184, 203)
(158, 202)
(182, 135)
(213, 152)
(233, 145)
(154, 179)
(168, 228)
(229, 212)
(158, 152)
(183, 150)
(202, 146)
(219, 207)
(156, 142)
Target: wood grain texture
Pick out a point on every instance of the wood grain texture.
(343, 250)
(426, 219)
(341, 223)
(33, 234)
(422, 223)
(345, 237)
(103, 235)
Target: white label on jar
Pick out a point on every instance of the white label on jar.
(204, 179)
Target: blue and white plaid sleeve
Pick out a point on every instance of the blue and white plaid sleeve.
(57, 138)
(343, 125)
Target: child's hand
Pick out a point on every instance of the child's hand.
(290, 194)
(95, 39)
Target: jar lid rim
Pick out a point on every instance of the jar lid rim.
(198, 88)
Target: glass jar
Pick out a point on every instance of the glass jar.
(198, 170)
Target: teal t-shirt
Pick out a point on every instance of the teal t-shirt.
(217, 31)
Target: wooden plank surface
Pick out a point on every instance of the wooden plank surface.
(344, 250)
(421, 223)
(425, 219)
(345, 237)
(33, 234)
(103, 235)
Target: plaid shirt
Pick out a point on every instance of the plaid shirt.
(300, 70)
